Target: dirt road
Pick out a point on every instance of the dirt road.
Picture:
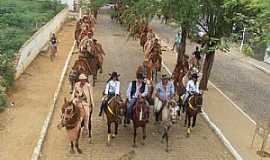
(124, 56)
(33, 94)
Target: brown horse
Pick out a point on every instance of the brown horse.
(193, 107)
(81, 66)
(140, 116)
(114, 112)
(71, 120)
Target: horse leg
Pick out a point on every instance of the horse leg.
(186, 119)
(167, 140)
(90, 127)
(134, 137)
(77, 146)
(189, 121)
(116, 129)
(109, 134)
(72, 148)
(144, 135)
(194, 120)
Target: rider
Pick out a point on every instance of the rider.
(177, 41)
(112, 89)
(192, 87)
(53, 42)
(99, 52)
(82, 96)
(195, 59)
(164, 92)
(151, 35)
(136, 89)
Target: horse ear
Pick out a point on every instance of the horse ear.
(65, 100)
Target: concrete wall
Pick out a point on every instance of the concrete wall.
(34, 45)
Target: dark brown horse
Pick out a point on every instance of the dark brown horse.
(71, 120)
(140, 116)
(193, 107)
(114, 111)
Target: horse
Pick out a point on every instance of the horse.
(169, 116)
(143, 38)
(114, 111)
(140, 116)
(94, 65)
(71, 120)
(81, 66)
(193, 107)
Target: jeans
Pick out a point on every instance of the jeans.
(131, 104)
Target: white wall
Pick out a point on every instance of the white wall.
(34, 45)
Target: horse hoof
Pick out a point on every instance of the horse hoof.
(89, 140)
(79, 151)
(162, 141)
(167, 150)
(143, 143)
(134, 146)
(113, 136)
(72, 151)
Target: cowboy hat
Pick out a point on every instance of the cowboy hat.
(82, 77)
(114, 74)
(194, 75)
(165, 76)
(140, 76)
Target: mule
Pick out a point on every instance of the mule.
(169, 116)
(71, 120)
(140, 116)
(193, 107)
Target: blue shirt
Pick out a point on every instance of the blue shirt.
(165, 92)
(178, 39)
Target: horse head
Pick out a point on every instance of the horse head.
(172, 106)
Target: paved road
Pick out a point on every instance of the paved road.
(124, 57)
(243, 83)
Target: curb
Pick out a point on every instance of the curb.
(45, 127)
(258, 67)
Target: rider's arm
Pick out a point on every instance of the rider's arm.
(188, 87)
(144, 94)
(129, 90)
(117, 88)
(106, 92)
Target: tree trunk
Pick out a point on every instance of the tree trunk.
(207, 67)
(182, 48)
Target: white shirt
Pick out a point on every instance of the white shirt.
(192, 87)
(112, 87)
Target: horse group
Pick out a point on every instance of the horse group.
(90, 62)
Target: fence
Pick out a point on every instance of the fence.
(34, 45)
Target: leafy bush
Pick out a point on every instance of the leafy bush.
(247, 50)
